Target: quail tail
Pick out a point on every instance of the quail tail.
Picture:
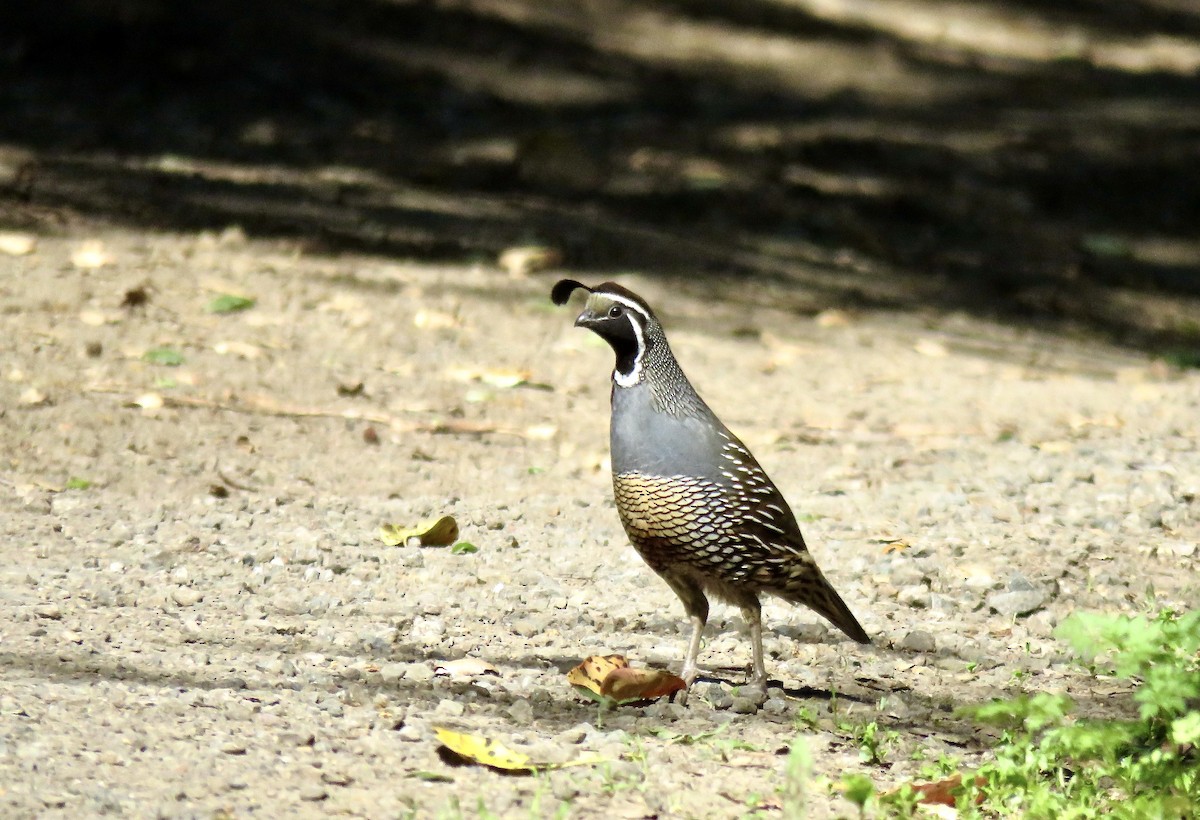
(822, 599)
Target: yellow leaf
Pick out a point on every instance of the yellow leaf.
(894, 545)
(483, 750)
(493, 753)
(440, 532)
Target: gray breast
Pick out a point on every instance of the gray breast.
(648, 440)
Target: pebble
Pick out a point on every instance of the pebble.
(419, 672)
(775, 705)
(918, 641)
(186, 596)
(455, 708)
(521, 712)
(336, 778)
(390, 673)
(576, 734)
(1016, 604)
(312, 793)
(916, 596)
(745, 706)
(717, 695)
(51, 612)
(410, 733)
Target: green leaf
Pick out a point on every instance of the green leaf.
(858, 789)
(76, 483)
(166, 356)
(1186, 729)
(463, 548)
(228, 303)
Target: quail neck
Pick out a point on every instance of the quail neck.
(651, 397)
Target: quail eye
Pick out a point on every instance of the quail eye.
(615, 312)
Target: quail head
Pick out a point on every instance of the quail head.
(695, 503)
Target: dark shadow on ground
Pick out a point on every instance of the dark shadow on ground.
(1026, 159)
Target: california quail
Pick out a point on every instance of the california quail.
(695, 503)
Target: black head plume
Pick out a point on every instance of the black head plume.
(563, 289)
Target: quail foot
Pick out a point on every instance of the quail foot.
(694, 502)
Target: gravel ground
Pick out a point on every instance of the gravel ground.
(211, 628)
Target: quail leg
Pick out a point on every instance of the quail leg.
(757, 686)
(696, 606)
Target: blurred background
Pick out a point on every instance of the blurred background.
(1032, 160)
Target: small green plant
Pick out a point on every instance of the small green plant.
(793, 794)
(873, 743)
(1053, 762)
(77, 483)
(858, 789)
(229, 303)
(166, 356)
(463, 548)
(805, 719)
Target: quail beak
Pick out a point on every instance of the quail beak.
(585, 319)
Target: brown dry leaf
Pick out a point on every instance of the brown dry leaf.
(17, 244)
(610, 678)
(464, 668)
(439, 532)
(592, 671)
(519, 262)
(640, 684)
(939, 792)
(91, 255)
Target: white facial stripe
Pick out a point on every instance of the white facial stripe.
(635, 375)
(629, 303)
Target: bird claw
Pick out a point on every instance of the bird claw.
(688, 676)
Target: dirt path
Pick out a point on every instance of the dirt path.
(210, 628)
